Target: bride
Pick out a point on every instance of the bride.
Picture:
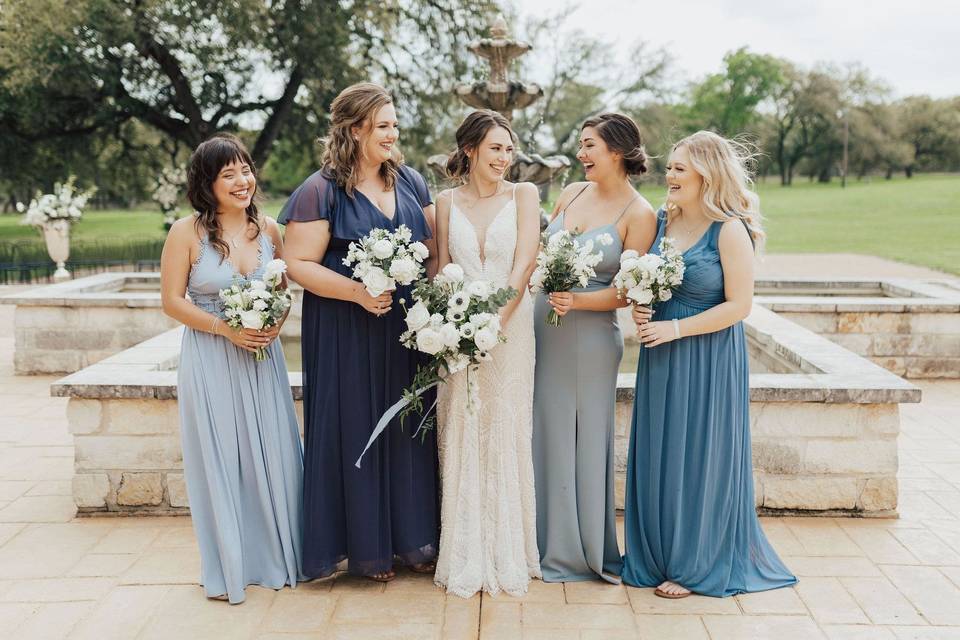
(490, 228)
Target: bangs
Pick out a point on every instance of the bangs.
(219, 152)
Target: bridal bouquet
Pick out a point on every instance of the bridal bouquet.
(564, 263)
(650, 278)
(258, 304)
(382, 259)
(456, 323)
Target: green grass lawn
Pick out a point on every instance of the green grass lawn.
(915, 221)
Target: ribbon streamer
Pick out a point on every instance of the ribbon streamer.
(389, 415)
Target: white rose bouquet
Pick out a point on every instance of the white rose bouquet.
(564, 263)
(258, 304)
(650, 278)
(382, 259)
(65, 203)
(456, 323)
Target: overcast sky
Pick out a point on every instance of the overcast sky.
(913, 45)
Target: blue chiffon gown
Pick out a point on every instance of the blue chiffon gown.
(354, 368)
(242, 458)
(689, 513)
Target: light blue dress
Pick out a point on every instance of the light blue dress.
(689, 514)
(574, 399)
(242, 455)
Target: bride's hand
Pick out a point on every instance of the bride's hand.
(562, 302)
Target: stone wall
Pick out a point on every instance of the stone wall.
(912, 344)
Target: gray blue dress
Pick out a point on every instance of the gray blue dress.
(574, 399)
(689, 511)
(242, 456)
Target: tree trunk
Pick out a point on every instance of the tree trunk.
(908, 170)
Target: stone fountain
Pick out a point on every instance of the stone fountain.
(504, 96)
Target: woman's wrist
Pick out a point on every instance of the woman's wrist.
(676, 329)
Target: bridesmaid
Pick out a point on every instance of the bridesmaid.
(690, 520)
(576, 371)
(241, 446)
(354, 366)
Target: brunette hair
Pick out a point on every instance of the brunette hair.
(622, 135)
(470, 134)
(355, 106)
(205, 165)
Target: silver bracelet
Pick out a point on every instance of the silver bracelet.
(213, 325)
(676, 329)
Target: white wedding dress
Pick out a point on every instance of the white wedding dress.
(488, 535)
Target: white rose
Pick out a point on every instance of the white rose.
(537, 278)
(628, 254)
(404, 270)
(640, 295)
(382, 249)
(480, 319)
(457, 363)
(258, 285)
(274, 269)
(376, 281)
(486, 339)
(429, 341)
(494, 323)
(251, 319)
(436, 321)
(450, 335)
(420, 250)
(418, 316)
(479, 289)
(454, 272)
(665, 294)
(650, 262)
(259, 305)
(404, 233)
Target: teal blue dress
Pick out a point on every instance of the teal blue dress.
(689, 513)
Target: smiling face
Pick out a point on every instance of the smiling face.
(235, 186)
(379, 135)
(683, 182)
(493, 156)
(597, 158)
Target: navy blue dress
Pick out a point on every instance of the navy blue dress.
(354, 368)
(689, 512)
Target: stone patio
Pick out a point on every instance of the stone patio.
(68, 577)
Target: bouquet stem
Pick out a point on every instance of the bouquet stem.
(261, 354)
(553, 319)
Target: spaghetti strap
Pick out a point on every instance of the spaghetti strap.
(624, 210)
(579, 193)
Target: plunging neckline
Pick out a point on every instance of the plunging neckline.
(695, 244)
(482, 246)
(396, 204)
(246, 276)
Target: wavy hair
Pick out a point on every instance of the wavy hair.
(726, 191)
(470, 135)
(207, 161)
(622, 135)
(355, 106)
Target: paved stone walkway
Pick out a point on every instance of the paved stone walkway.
(124, 578)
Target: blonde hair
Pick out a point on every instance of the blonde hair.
(726, 191)
(355, 106)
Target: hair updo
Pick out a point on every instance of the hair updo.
(470, 135)
(622, 135)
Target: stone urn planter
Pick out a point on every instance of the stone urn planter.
(56, 233)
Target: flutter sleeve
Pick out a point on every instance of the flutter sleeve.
(418, 183)
(313, 200)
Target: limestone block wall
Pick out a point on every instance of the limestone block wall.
(913, 344)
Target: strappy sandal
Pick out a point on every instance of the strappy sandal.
(671, 596)
(424, 567)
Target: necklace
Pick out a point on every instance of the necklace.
(233, 239)
(495, 191)
(686, 230)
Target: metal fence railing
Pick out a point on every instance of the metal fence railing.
(27, 262)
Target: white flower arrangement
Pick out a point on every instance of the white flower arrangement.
(65, 203)
(167, 193)
(457, 324)
(563, 263)
(650, 278)
(257, 304)
(381, 260)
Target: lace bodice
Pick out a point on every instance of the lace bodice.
(495, 261)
